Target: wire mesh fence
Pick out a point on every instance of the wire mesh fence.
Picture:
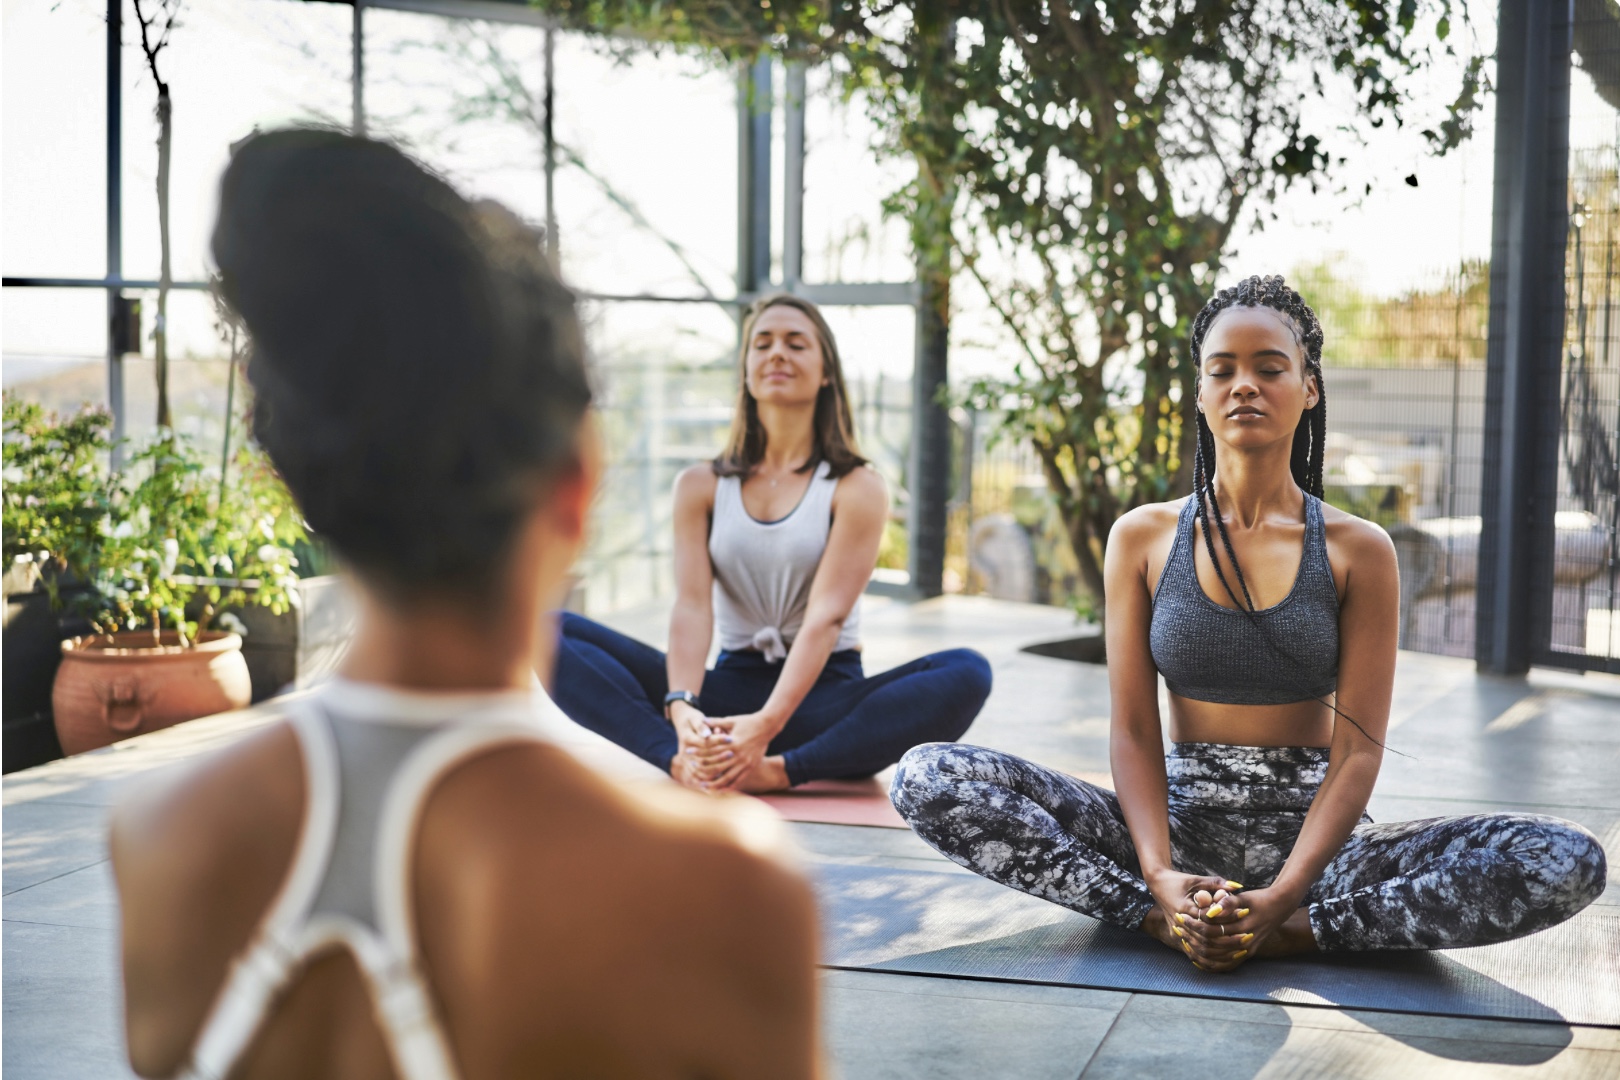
(1584, 559)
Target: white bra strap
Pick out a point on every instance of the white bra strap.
(406, 1011)
(250, 990)
(261, 971)
(402, 809)
(404, 1004)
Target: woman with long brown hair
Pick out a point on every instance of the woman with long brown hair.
(775, 540)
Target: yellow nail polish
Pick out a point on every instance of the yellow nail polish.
(1214, 911)
(1240, 954)
(1180, 917)
(1178, 931)
(1188, 947)
(1245, 938)
(1233, 885)
(1242, 911)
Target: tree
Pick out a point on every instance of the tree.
(1084, 165)
(156, 28)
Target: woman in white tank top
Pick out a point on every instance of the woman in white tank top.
(403, 879)
(775, 540)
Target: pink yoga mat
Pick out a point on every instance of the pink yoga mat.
(839, 802)
(857, 802)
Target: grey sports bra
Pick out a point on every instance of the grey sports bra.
(1207, 652)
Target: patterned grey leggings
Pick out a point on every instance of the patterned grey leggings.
(1235, 811)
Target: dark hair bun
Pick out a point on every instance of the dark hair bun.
(416, 365)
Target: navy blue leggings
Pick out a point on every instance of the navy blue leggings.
(847, 726)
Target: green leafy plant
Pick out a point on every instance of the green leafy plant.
(56, 494)
(160, 545)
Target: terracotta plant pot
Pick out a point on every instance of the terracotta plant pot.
(107, 690)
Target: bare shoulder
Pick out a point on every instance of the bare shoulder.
(1357, 540)
(637, 841)
(211, 816)
(1151, 518)
(546, 891)
(863, 486)
(1140, 528)
(198, 853)
(696, 482)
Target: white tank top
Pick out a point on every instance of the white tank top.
(763, 569)
(372, 755)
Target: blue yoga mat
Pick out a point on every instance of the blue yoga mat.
(958, 925)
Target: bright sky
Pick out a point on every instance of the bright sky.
(661, 132)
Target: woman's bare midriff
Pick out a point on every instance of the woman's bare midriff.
(1301, 723)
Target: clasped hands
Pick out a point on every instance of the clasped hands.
(1216, 922)
(717, 753)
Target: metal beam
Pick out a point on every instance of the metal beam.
(549, 145)
(930, 464)
(115, 216)
(357, 69)
(860, 294)
(487, 10)
(203, 286)
(754, 106)
(111, 283)
(1524, 352)
(793, 177)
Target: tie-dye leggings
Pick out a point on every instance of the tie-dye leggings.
(1235, 812)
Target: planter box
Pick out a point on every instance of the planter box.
(312, 641)
(32, 648)
(296, 649)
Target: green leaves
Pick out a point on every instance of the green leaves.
(56, 500)
(159, 544)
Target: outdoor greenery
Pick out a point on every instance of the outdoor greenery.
(159, 545)
(1085, 166)
(1442, 324)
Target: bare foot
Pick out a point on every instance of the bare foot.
(1290, 939)
(769, 775)
(1157, 927)
(684, 772)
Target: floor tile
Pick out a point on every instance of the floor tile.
(47, 840)
(84, 898)
(882, 1027)
(1159, 1036)
(62, 1004)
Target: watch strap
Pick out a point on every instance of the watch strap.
(679, 695)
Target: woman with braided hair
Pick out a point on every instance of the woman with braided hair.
(1272, 617)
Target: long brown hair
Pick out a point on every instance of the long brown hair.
(833, 429)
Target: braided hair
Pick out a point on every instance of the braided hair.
(1305, 458)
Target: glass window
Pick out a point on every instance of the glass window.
(846, 235)
(231, 68)
(646, 153)
(666, 380)
(198, 370)
(55, 161)
(55, 346)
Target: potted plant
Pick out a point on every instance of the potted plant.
(165, 551)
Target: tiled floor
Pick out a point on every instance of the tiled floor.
(1551, 742)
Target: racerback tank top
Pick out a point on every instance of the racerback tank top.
(372, 755)
(763, 569)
